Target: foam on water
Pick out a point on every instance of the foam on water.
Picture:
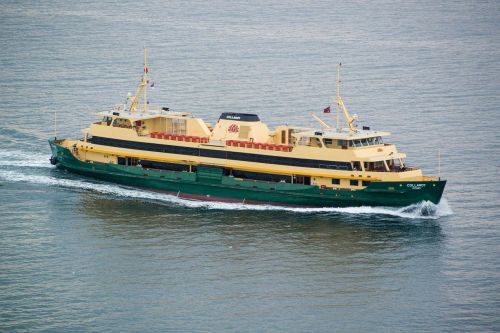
(415, 211)
(21, 158)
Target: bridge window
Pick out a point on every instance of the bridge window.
(377, 140)
(328, 143)
(316, 142)
(344, 143)
(107, 120)
(375, 166)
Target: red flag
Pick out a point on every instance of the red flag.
(326, 110)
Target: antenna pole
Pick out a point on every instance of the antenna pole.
(55, 123)
(338, 95)
(439, 164)
(145, 80)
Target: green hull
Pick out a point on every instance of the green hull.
(209, 184)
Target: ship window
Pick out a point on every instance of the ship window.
(146, 164)
(328, 143)
(268, 177)
(303, 141)
(122, 122)
(302, 180)
(107, 120)
(375, 166)
(365, 182)
(179, 126)
(222, 154)
(316, 142)
(344, 143)
(335, 181)
(354, 182)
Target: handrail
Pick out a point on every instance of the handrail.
(259, 145)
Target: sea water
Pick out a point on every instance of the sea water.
(78, 254)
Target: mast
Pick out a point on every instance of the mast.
(142, 86)
(55, 124)
(340, 105)
(439, 164)
(338, 95)
(145, 79)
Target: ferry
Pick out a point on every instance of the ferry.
(240, 159)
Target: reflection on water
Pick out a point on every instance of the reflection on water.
(339, 233)
(261, 260)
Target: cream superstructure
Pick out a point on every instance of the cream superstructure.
(364, 151)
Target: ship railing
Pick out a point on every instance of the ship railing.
(392, 169)
(258, 145)
(401, 169)
(179, 137)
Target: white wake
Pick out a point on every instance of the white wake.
(425, 210)
(21, 158)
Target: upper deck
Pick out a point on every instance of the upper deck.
(244, 137)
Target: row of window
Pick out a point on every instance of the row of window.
(352, 182)
(268, 177)
(331, 143)
(366, 142)
(222, 154)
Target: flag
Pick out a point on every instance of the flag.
(327, 109)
